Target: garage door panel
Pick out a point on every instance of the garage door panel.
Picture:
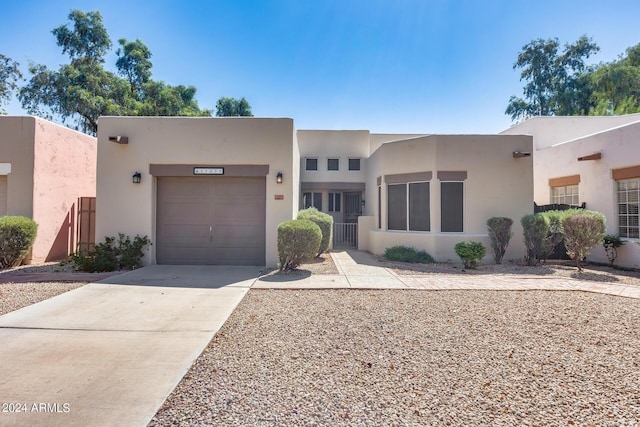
(237, 237)
(239, 256)
(233, 207)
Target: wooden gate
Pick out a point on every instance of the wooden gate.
(86, 224)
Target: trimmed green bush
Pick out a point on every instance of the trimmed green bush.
(470, 253)
(17, 235)
(298, 241)
(407, 254)
(111, 255)
(500, 233)
(611, 244)
(582, 233)
(322, 220)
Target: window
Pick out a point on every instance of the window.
(312, 164)
(628, 200)
(333, 164)
(354, 164)
(312, 200)
(408, 213)
(452, 206)
(566, 195)
(335, 202)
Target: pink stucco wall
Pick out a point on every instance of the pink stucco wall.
(64, 169)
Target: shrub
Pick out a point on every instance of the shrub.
(611, 244)
(470, 253)
(582, 233)
(500, 234)
(407, 254)
(541, 234)
(110, 255)
(322, 220)
(298, 241)
(17, 235)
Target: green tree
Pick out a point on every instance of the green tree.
(84, 90)
(554, 79)
(616, 85)
(10, 75)
(228, 107)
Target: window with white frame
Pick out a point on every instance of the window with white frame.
(333, 164)
(312, 200)
(628, 201)
(451, 207)
(335, 200)
(408, 206)
(566, 195)
(311, 164)
(354, 164)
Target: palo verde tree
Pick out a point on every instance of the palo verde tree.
(554, 79)
(83, 90)
(10, 75)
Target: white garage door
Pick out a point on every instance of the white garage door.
(211, 220)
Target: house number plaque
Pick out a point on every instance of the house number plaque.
(208, 171)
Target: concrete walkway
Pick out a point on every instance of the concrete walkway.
(361, 270)
(109, 353)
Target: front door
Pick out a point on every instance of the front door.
(352, 206)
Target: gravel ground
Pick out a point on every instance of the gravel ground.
(14, 296)
(399, 357)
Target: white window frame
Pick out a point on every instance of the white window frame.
(333, 158)
(306, 165)
(408, 206)
(570, 196)
(627, 218)
(331, 205)
(359, 163)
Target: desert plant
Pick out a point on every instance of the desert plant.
(110, 255)
(581, 234)
(500, 233)
(322, 220)
(470, 253)
(17, 235)
(611, 243)
(407, 254)
(298, 241)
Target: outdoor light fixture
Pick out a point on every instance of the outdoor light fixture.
(137, 177)
(362, 203)
(279, 178)
(119, 139)
(518, 154)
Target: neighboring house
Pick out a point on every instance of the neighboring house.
(214, 190)
(595, 161)
(44, 169)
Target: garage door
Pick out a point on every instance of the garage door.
(211, 220)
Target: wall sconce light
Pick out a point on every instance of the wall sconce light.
(519, 154)
(119, 139)
(137, 177)
(279, 178)
(362, 202)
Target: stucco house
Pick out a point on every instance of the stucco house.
(213, 190)
(44, 169)
(590, 160)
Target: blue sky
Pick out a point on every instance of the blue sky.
(404, 66)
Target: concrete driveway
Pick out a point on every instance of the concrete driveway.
(109, 353)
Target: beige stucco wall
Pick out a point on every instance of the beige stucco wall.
(130, 208)
(64, 169)
(51, 166)
(17, 148)
(551, 130)
(620, 148)
(377, 139)
(497, 185)
(341, 144)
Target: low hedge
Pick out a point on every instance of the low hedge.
(298, 241)
(17, 235)
(407, 254)
(322, 220)
(470, 253)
